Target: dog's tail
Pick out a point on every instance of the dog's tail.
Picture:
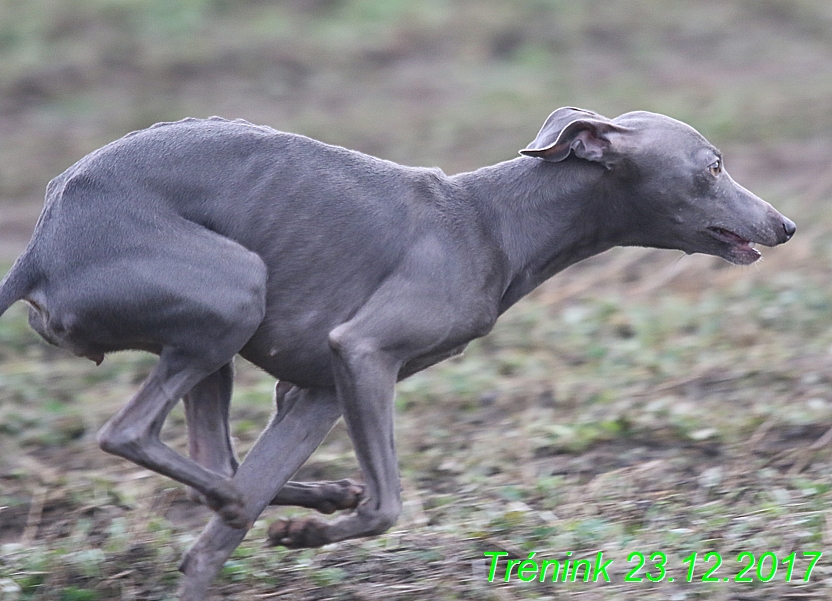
(19, 282)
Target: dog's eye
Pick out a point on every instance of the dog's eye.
(716, 167)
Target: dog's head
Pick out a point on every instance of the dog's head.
(667, 185)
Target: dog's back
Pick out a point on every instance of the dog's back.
(301, 206)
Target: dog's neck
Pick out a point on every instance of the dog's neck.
(544, 217)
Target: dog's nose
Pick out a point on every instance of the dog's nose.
(789, 227)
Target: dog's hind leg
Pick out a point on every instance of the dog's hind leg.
(287, 442)
(324, 497)
(209, 440)
(193, 297)
(206, 415)
(133, 433)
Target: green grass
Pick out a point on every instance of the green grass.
(587, 424)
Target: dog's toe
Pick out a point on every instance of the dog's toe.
(345, 494)
(300, 533)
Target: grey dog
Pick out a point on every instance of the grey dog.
(339, 274)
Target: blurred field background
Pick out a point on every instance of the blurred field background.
(640, 401)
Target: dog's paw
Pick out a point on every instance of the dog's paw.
(299, 533)
(340, 495)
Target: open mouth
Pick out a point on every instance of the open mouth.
(740, 250)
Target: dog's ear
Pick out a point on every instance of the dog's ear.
(585, 134)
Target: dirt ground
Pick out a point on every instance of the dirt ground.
(640, 402)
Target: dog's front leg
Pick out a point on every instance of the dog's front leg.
(286, 443)
(209, 439)
(365, 375)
